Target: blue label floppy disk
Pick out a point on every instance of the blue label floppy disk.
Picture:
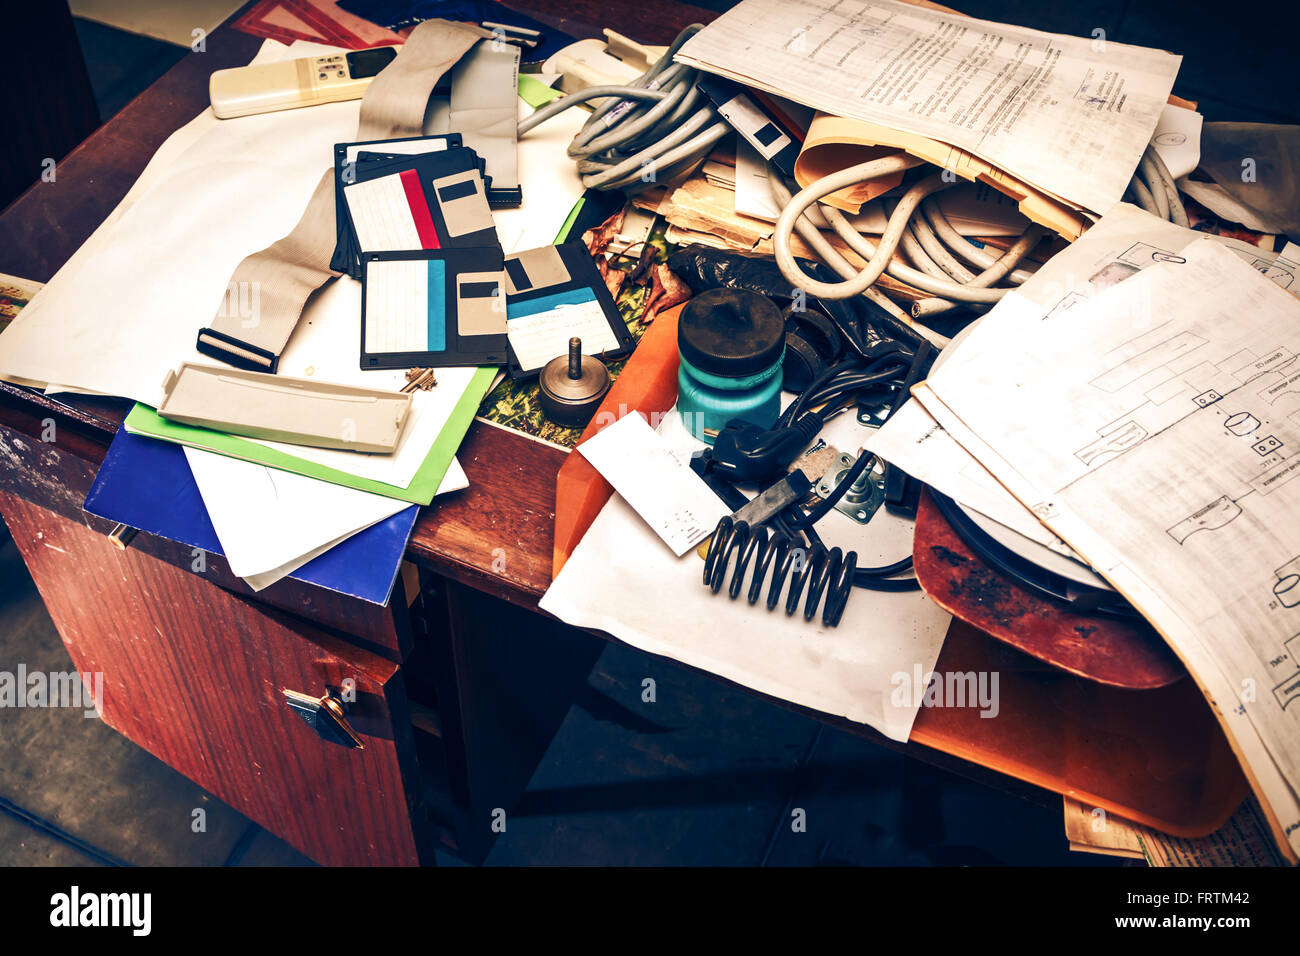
(553, 294)
(433, 308)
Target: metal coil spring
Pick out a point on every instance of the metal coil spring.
(824, 572)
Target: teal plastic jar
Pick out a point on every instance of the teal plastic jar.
(731, 343)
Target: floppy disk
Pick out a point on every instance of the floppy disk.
(433, 308)
(774, 139)
(347, 158)
(434, 201)
(552, 294)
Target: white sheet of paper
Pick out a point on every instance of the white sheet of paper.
(673, 500)
(159, 267)
(621, 580)
(271, 520)
(1065, 114)
(127, 306)
(1124, 241)
(549, 179)
(1178, 139)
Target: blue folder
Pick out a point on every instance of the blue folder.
(146, 484)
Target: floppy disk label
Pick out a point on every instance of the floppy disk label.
(539, 329)
(463, 202)
(391, 213)
(479, 304)
(552, 294)
(535, 269)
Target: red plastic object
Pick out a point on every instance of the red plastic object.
(1106, 649)
(647, 384)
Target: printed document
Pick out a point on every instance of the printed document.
(1069, 115)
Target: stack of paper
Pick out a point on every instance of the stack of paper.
(1058, 122)
(1145, 410)
(1245, 840)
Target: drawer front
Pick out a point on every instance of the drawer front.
(56, 475)
(195, 675)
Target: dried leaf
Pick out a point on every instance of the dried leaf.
(666, 291)
(614, 281)
(598, 239)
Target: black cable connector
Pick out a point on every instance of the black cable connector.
(745, 453)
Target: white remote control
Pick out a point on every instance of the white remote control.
(287, 85)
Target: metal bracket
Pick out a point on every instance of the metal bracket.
(864, 498)
(872, 417)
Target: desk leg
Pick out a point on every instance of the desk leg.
(505, 677)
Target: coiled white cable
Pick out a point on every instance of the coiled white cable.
(1154, 189)
(944, 278)
(654, 129)
(941, 259)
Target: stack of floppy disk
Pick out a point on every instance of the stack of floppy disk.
(415, 228)
(414, 225)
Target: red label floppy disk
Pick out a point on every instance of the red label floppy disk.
(433, 201)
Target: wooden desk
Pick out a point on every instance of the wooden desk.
(458, 695)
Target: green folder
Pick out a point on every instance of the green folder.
(143, 420)
(536, 93)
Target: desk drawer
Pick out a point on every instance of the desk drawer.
(195, 675)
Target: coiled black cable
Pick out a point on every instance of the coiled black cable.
(825, 573)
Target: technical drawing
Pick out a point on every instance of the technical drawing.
(1279, 270)
(1206, 398)
(1289, 689)
(1132, 369)
(1143, 254)
(1111, 444)
(1210, 518)
(1252, 367)
(1266, 446)
(1286, 383)
(1113, 273)
(1287, 587)
(1242, 424)
(1069, 301)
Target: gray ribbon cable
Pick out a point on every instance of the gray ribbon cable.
(287, 272)
(484, 108)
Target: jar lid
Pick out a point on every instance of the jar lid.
(731, 332)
